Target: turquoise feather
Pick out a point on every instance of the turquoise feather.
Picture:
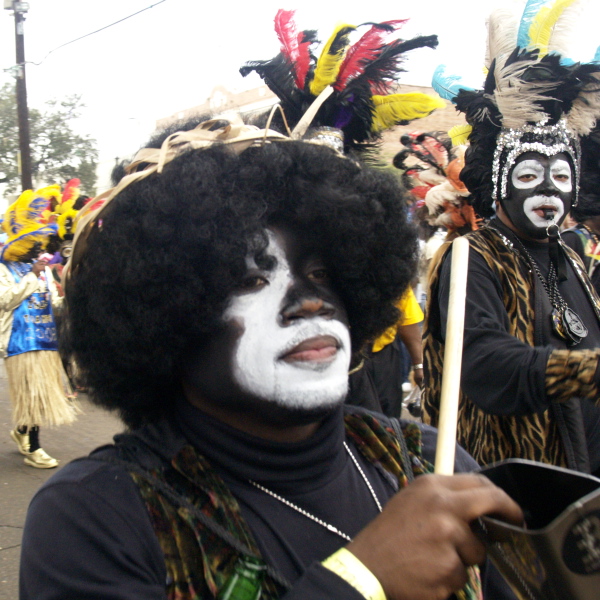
(529, 12)
(447, 86)
(597, 56)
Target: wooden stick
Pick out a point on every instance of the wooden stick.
(446, 443)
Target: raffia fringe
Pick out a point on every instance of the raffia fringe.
(38, 389)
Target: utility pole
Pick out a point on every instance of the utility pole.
(19, 9)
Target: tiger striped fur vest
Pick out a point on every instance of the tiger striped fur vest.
(489, 437)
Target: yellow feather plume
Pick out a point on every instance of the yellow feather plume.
(50, 191)
(330, 61)
(390, 110)
(27, 209)
(542, 26)
(63, 207)
(66, 223)
(459, 134)
(23, 222)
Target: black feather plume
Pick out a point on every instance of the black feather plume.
(277, 73)
(383, 71)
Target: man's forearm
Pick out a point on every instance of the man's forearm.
(411, 338)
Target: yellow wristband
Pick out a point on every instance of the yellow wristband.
(345, 565)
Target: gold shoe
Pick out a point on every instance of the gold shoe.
(40, 460)
(21, 440)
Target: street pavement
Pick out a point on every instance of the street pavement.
(19, 482)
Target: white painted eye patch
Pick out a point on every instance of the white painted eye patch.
(534, 171)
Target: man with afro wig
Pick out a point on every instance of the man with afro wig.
(217, 300)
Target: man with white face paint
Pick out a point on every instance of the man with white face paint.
(254, 278)
(541, 193)
(308, 360)
(530, 378)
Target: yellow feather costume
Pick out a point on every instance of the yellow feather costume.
(23, 222)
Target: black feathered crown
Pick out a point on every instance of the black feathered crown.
(348, 86)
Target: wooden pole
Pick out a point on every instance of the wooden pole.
(25, 169)
(446, 444)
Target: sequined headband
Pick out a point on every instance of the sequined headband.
(545, 139)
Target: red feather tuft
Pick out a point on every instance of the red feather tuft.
(420, 191)
(364, 51)
(303, 62)
(71, 190)
(285, 27)
(94, 204)
(437, 150)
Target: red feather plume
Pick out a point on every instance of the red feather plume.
(365, 51)
(71, 190)
(436, 149)
(293, 46)
(94, 204)
(420, 191)
(304, 58)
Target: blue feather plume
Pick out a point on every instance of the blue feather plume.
(565, 61)
(447, 86)
(597, 56)
(529, 12)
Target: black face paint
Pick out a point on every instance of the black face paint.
(540, 192)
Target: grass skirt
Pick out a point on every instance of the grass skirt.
(38, 389)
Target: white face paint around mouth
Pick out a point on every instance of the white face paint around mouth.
(532, 207)
(314, 376)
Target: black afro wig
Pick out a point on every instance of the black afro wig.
(170, 249)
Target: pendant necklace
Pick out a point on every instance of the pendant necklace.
(312, 517)
(565, 321)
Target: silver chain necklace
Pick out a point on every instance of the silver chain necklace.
(565, 321)
(312, 517)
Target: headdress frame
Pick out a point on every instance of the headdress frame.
(227, 129)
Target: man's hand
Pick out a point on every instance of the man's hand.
(418, 376)
(39, 267)
(421, 544)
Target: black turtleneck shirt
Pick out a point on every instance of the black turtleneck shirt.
(88, 534)
(310, 474)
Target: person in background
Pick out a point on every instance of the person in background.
(38, 386)
(584, 236)
(531, 348)
(378, 384)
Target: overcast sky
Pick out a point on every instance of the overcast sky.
(169, 58)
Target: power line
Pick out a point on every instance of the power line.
(94, 32)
